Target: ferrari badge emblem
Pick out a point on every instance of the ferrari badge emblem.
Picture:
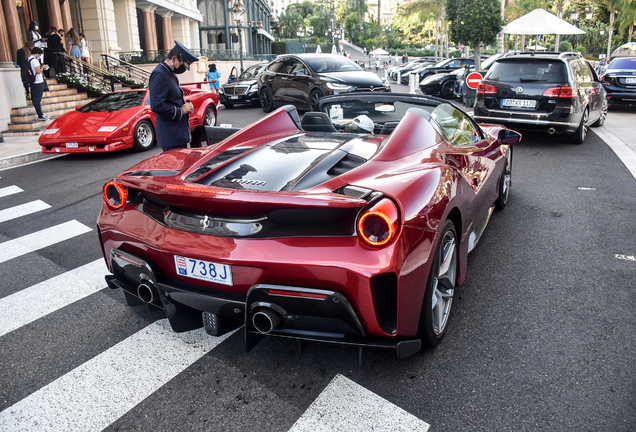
(205, 222)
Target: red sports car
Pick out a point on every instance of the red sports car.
(119, 120)
(305, 230)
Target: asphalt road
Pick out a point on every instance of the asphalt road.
(542, 337)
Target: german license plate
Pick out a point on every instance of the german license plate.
(630, 80)
(519, 103)
(203, 270)
(72, 145)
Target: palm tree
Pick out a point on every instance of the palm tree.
(626, 19)
(425, 8)
(613, 6)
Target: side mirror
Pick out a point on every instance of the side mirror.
(507, 136)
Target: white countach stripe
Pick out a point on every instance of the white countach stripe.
(22, 210)
(346, 406)
(41, 239)
(9, 190)
(46, 297)
(95, 394)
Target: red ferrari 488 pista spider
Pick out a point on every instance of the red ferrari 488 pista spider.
(308, 231)
(119, 120)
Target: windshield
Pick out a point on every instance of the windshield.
(117, 101)
(253, 71)
(623, 63)
(379, 112)
(331, 63)
(525, 70)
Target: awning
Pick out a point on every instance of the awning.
(266, 34)
(540, 22)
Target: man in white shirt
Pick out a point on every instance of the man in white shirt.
(37, 87)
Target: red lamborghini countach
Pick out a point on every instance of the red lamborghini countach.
(119, 120)
(305, 230)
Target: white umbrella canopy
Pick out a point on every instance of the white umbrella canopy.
(334, 50)
(379, 52)
(537, 48)
(540, 22)
(318, 50)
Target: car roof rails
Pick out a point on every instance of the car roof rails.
(570, 54)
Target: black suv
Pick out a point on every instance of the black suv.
(553, 92)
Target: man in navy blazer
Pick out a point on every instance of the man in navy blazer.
(166, 99)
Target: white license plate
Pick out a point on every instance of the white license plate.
(234, 97)
(520, 103)
(203, 270)
(630, 80)
(72, 145)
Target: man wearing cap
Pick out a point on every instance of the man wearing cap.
(166, 99)
(360, 124)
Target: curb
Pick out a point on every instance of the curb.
(24, 158)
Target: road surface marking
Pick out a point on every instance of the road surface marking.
(9, 190)
(41, 239)
(100, 391)
(23, 210)
(346, 406)
(622, 150)
(46, 297)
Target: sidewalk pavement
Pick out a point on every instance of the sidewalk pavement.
(18, 150)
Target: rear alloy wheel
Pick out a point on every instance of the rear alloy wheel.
(447, 89)
(440, 288)
(144, 136)
(505, 182)
(314, 96)
(210, 116)
(578, 137)
(601, 120)
(267, 102)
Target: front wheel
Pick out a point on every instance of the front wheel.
(144, 136)
(440, 289)
(210, 116)
(267, 101)
(447, 90)
(314, 97)
(578, 137)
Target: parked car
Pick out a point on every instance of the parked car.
(302, 79)
(242, 90)
(120, 120)
(303, 230)
(460, 86)
(445, 66)
(619, 80)
(403, 70)
(441, 84)
(552, 92)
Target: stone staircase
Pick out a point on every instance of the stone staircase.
(57, 101)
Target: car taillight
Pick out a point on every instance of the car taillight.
(114, 195)
(486, 89)
(560, 92)
(378, 225)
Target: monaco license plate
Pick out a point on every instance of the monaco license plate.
(203, 270)
(630, 80)
(72, 145)
(234, 97)
(519, 103)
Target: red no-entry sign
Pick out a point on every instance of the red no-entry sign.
(473, 79)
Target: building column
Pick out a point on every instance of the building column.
(150, 32)
(6, 59)
(166, 21)
(12, 22)
(55, 15)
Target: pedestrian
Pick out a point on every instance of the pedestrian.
(213, 75)
(86, 55)
(35, 36)
(54, 43)
(377, 65)
(386, 70)
(390, 57)
(22, 55)
(166, 99)
(37, 87)
(75, 50)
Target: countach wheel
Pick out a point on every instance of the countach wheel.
(267, 102)
(210, 116)
(601, 120)
(578, 137)
(314, 96)
(505, 182)
(447, 90)
(440, 288)
(144, 136)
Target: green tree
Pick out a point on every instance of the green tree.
(474, 22)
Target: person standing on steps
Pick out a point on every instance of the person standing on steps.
(22, 55)
(37, 88)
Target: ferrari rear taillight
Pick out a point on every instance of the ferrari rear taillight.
(486, 89)
(560, 92)
(114, 195)
(206, 190)
(378, 225)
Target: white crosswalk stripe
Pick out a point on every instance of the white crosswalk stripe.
(9, 190)
(41, 239)
(46, 297)
(346, 406)
(97, 393)
(23, 210)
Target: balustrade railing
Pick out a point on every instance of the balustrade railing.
(126, 72)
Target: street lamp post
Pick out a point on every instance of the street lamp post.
(237, 11)
(575, 18)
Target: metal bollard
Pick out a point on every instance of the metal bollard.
(412, 83)
(399, 77)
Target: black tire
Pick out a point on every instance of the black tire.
(267, 101)
(314, 96)
(578, 137)
(210, 116)
(440, 288)
(447, 89)
(144, 136)
(601, 120)
(228, 106)
(505, 182)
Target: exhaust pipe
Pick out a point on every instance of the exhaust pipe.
(147, 293)
(551, 131)
(266, 320)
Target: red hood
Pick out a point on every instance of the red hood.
(78, 124)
